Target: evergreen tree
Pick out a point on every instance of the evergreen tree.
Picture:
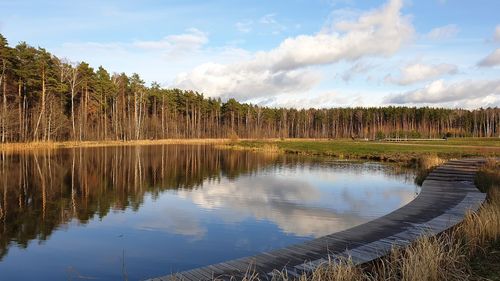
(45, 98)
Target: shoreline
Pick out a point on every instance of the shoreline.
(81, 144)
(407, 153)
(337, 148)
(9, 146)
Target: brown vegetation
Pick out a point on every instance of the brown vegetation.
(73, 144)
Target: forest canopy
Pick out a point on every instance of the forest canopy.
(45, 98)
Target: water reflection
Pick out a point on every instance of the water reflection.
(302, 201)
(43, 190)
(179, 206)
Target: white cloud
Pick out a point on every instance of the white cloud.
(480, 102)
(178, 44)
(268, 19)
(95, 46)
(418, 72)
(244, 26)
(357, 68)
(156, 64)
(443, 32)
(270, 23)
(289, 202)
(491, 60)
(439, 92)
(182, 221)
(326, 99)
(240, 82)
(497, 33)
(339, 2)
(286, 68)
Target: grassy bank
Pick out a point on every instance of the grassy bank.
(344, 149)
(485, 264)
(379, 151)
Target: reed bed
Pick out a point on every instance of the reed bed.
(72, 144)
(429, 161)
(429, 258)
(483, 227)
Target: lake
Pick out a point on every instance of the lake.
(133, 212)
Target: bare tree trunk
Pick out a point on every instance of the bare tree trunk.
(136, 117)
(3, 83)
(4, 114)
(20, 100)
(85, 112)
(73, 113)
(42, 109)
(73, 83)
(49, 123)
(163, 116)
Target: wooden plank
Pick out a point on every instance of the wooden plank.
(200, 274)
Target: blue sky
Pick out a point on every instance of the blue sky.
(301, 53)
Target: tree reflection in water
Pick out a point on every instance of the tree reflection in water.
(44, 190)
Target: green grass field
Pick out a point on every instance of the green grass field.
(494, 142)
(384, 151)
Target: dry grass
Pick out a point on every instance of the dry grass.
(266, 148)
(425, 164)
(429, 161)
(436, 258)
(429, 258)
(270, 148)
(481, 228)
(340, 271)
(488, 177)
(71, 144)
(343, 270)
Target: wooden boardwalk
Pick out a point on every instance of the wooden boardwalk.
(447, 194)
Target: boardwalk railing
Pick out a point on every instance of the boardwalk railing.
(448, 193)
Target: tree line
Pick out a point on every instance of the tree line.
(45, 98)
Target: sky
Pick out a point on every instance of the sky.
(281, 53)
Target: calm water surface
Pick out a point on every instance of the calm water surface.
(106, 213)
